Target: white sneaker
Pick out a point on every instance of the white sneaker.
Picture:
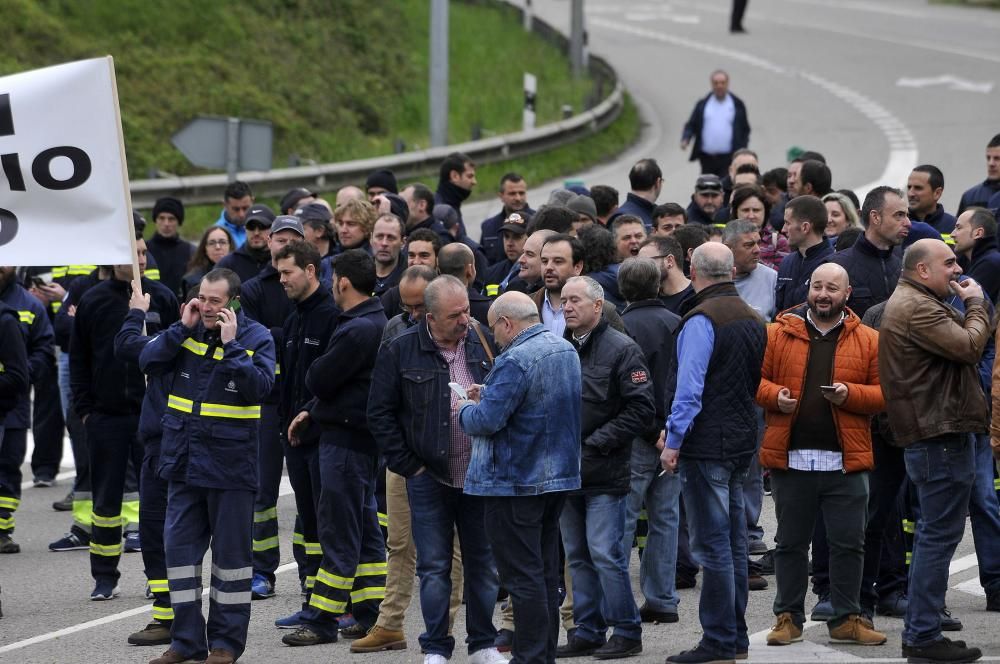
(435, 659)
(487, 656)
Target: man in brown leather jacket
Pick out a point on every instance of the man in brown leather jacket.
(927, 362)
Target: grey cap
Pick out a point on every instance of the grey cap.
(583, 205)
(708, 182)
(287, 222)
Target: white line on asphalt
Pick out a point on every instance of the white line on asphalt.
(962, 564)
(972, 587)
(902, 144)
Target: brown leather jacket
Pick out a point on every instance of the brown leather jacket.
(927, 357)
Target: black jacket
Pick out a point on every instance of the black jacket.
(741, 125)
(63, 323)
(653, 327)
(453, 195)
(978, 195)
(942, 222)
(340, 378)
(490, 240)
(984, 267)
(873, 272)
(14, 381)
(245, 262)
(99, 380)
(695, 215)
(392, 279)
(265, 301)
(172, 256)
(617, 406)
(306, 333)
(792, 286)
(637, 206)
(479, 305)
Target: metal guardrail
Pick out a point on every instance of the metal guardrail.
(201, 189)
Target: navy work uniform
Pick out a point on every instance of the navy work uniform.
(353, 566)
(306, 333)
(264, 300)
(108, 394)
(13, 365)
(209, 458)
(38, 338)
(129, 343)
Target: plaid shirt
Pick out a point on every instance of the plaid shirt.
(459, 445)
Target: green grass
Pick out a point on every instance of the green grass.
(537, 168)
(339, 81)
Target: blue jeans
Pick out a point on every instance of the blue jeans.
(592, 529)
(753, 486)
(943, 471)
(436, 510)
(984, 514)
(657, 569)
(713, 496)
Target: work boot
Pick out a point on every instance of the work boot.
(379, 638)
(8, 545)
(153, 634)
(785, 632)
(942, 650)
(577, 647)
(854, 630)
(220, 656)
(305, 636)
(618, 647)
(173, 657)
(355, 631)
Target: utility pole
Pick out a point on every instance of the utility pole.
(439, 73)
(576, 38)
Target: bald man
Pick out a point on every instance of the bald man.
(348, 193)
(819, 387)
(928, 357)
(458, 260)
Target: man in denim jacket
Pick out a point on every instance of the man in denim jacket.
(525, 424)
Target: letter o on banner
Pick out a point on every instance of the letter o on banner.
(8, 226)
(41, 167)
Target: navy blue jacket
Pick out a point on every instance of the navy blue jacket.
(873, 272)
(695, 215)
(264, 300)
(341, 377)
(306, 333)
(489, 239)
(129, 343)
(792, 286)
(942, 222)
(14, 382)
(653, 327)
(637, 206)
(38, 340)
(409, 407)
(984, 267)
(172, 255)
(244, 263)
(100, 380)
(693, 127)
(978, 195)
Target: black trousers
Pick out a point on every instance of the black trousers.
(152, 516)
(303, 474)
(715, 163)
(113, 442)
(524, 534)
(736, 18)
(47, 426)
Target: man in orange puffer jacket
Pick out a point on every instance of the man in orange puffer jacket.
(820, 387)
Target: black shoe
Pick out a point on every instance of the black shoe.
(577, 647)
(305, 636)
(941, 651)
(698, 655)
(893, 606)
(504, 641)
(685, 582)
(757, 547)
(756, 582)
(993, 601)
(502, 594)
(618, 647)
(823, 610)
(949, 624)
(153, 634)
(64, 505)
(765, 564)
(7, 545)
(649, 615)
(767, 484)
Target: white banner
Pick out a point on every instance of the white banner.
(63, 196)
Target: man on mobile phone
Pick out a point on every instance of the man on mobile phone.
(820, 387)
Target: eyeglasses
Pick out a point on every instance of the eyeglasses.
(412, 308)
(495, 323)
(218, 243)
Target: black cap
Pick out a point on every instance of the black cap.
(292, 198)
(708, 182)
(515, 223)
(259, 215)
(287, 222)
(314, 212)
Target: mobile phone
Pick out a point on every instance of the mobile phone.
(233, 304)
(459, 390)
(828, 388)
(40, 280)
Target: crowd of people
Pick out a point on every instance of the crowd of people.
(507, 419)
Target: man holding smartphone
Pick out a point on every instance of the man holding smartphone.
(820, 387)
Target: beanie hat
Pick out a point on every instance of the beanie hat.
(171, 205)
(383, 178)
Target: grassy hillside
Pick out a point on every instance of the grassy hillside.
(338, 80)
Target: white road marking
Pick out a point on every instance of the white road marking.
(953, 82)
(902, 144)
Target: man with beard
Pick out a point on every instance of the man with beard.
(529, 276)
(975, 236)
(253, 255)
(387, 244)
(675, 288)
(706, 200)
(820, 387)
(562, 258)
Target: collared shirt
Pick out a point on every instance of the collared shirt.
(817, 460)
(459, 445)
(552, 318)
(717, 128)
(695, 344)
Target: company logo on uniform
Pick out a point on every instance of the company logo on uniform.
(639, 377)
(310, 342)
(185, 374)
(231, 387)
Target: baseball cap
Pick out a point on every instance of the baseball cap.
(708, 182)
(259, 215)
(287, 222)
(313, 212)
(515, 223)
(291, 199)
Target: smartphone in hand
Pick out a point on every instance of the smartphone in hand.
(459, 390)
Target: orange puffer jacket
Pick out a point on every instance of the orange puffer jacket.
(855, 365)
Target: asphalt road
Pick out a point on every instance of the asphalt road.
(820, 75)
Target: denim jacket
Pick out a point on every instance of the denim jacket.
(526, 428)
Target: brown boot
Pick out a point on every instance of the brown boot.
(784, 632)
(220, 656)
(174, 657)
(380, 638)
(855, 630)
